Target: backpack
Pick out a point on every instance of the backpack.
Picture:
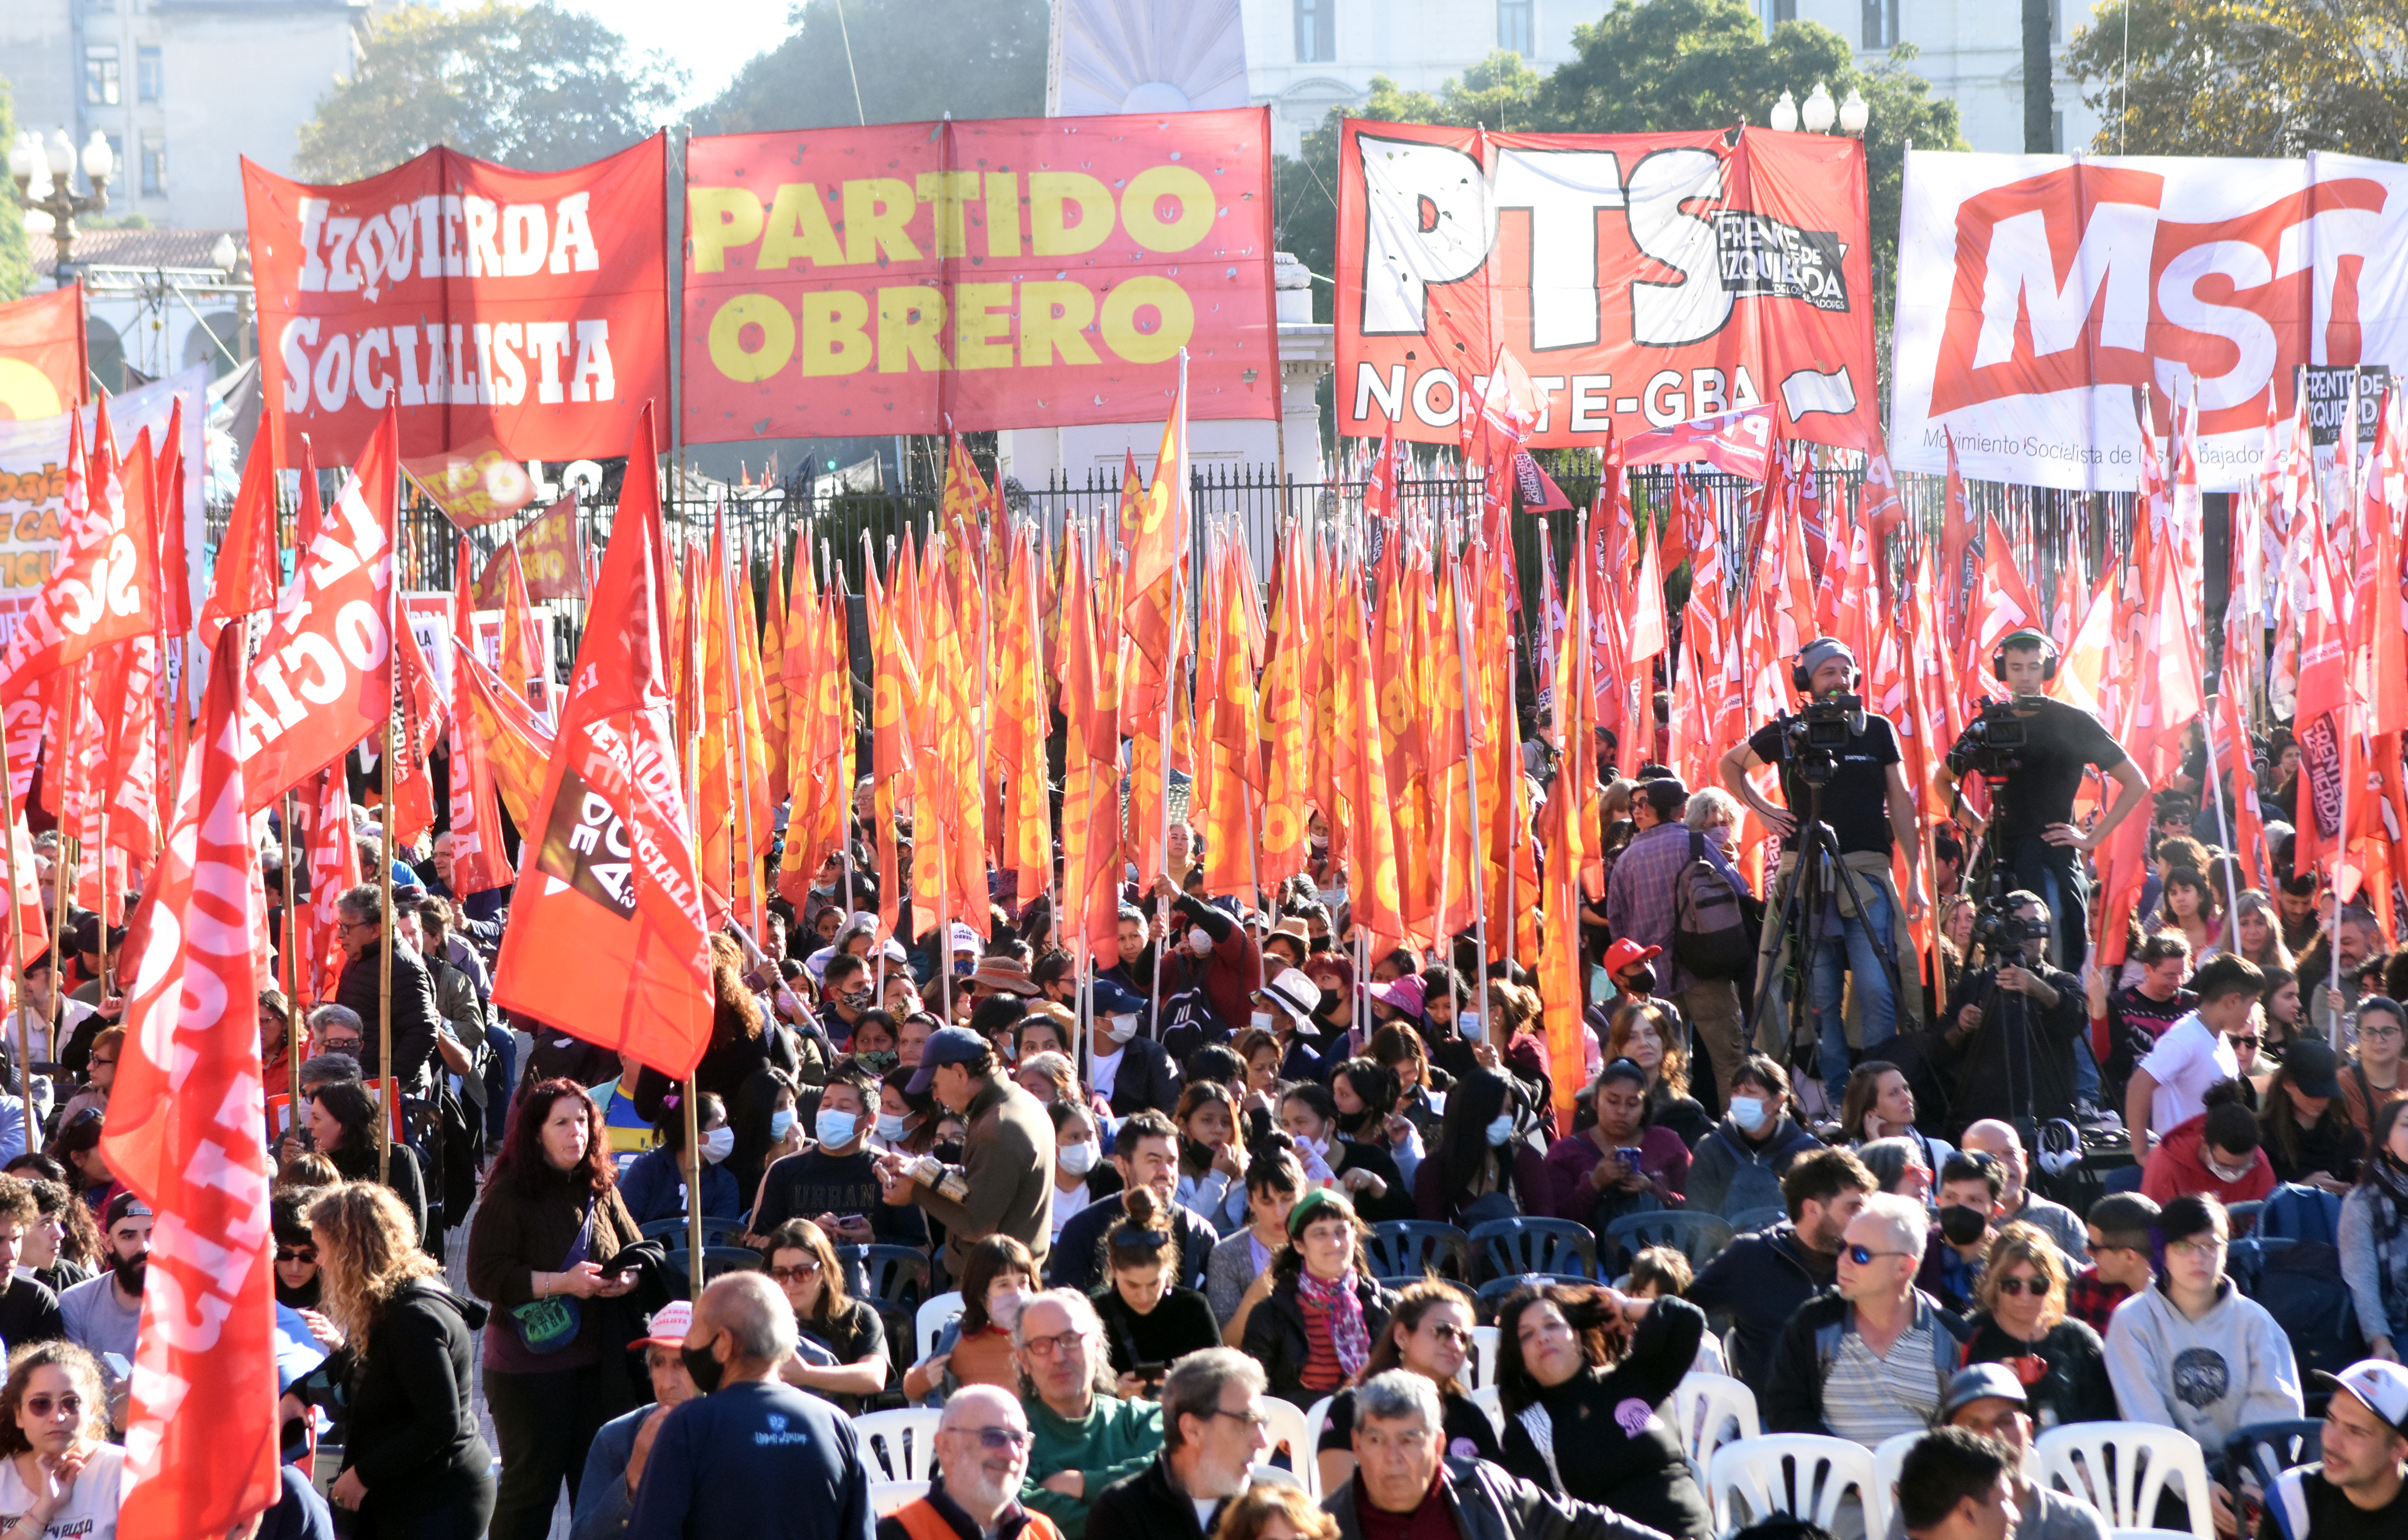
(1188, 1022)
(1710, 934)
(2301, 1285)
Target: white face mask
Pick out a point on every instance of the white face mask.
(1078, 1159)
(1748, 1111)
(1469, 1024)
(780, 1121)
(890, 1126)
(1121, 1026)
(718, 1145)
(836, 1128)
(1500, 1129)
(1264, 1021)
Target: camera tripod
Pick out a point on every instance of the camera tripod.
(2004, 937)
(1812, 892)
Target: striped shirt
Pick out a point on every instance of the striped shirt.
(1323, 1374)
(1867, 1398)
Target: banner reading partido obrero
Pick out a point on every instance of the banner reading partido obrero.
(913, 278)
(1642, 280)
(2036, 291)
(526, 307)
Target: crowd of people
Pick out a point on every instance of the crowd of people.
(1158, 1186)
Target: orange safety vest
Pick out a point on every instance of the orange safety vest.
(922, 1522)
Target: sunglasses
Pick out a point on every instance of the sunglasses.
(2249, 1040)
(2018, 1286)
(796, 1274)
(47, 1405)
(1860, 1255)
(296, 1254)
(996, 1438)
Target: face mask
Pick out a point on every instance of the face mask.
(1500, 1129)
(1265, 1022)
(1328, 1000)
(890, 1126)
(1078, 1159)
(948, 1152)
(1003, 1310)
(1199, 940)
(702, 1367)
(1123, 1026)
(780, 1121)
(718, 1145)
(836, 1128)
(1747, 1111)
(879, 1062)
(1963, 1225)
(1469, 1026)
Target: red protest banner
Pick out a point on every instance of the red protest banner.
(41, 354)
(526, 308)
(1015, 272)
(549, 553)
(1645, 280)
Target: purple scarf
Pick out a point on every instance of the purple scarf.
(1335, 1298)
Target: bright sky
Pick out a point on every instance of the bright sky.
(709, 39)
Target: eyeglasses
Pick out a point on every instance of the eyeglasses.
(2203, 1248)
(2251, 1040)
(1445, 1333)
(996, 1438)
(1251, 1419)
(296, 1254)
(2017, 1285)
(47, 1405)
(2392, 1030)
(1860, 1255)
(1046, 1347)
(796, 1274)
(342, 1045)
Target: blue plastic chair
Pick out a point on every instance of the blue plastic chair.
(715, 1232)
(1525, 1244)
(1748, 1222)
(1403, 1251)
(1494, 1291)
(2298, 1212)
(1700, 1237)
(716, 1260)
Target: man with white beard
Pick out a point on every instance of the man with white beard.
(982, 1451)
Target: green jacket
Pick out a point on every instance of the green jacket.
(1118, 1438)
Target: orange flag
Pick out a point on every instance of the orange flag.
(1363, 792)
(1091, 845)
(891, 748)
(1287, 754)
(1233, 801)
(1018, 741)
(478, 861)
(607, 937)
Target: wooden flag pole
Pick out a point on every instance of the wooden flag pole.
(64, 868)
(384, 960)
(292, 950)
(742, 738)
(1477, 877)
(1169, 694)
(690, 1161)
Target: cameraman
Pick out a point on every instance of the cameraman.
(2033, 804)
(1865, 780)
(2003, 1073)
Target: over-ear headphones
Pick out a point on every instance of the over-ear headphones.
(2060, 1146)
(1813, 655)
(2027, 637)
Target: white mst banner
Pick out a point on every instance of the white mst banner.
(2036, 291)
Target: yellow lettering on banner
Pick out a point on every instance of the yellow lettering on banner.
(982, 326)
(1052, 316)
(1003, 213)
(836, 337)
(1051, 194)
(949, 191)
(728, 349)
(910, 330)
(1140, 214)
(799, 227)
(877, 212)
(721, 217)
(1169, 300)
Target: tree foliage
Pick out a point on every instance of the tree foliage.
(2269, 77)
(16, 259)
(1648, 67)
(914, 60)
(532, 87)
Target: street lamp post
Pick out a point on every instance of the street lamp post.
(1819, 112)
(44, 172)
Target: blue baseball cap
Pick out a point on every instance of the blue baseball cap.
(946, 1045)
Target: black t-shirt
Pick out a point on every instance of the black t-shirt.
(1856, 801)
(812, 1182)
(1180, 1323)
(2332, 1516)
(29, 1313)
(1468, 1432)
(855, 1333)
(2060, 742)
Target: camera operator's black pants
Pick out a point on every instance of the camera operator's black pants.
(2055, 873)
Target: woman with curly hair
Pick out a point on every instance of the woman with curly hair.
(1584, 1373)
(1652, 1035)
(61, 1477)
(414, 1462)
(549, 1217)
(2021, 1322)
(63, 1247)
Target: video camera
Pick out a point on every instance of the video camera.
(2004, 934)
(1992, 743)
(1813, 741)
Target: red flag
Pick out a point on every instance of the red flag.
(243, 582)
(187, 1133)
(322, 680)
(175, 569)
(42, 342)
(100, 591)
(2007, 601)
(607, 936)
(478, 862)
(414, 737)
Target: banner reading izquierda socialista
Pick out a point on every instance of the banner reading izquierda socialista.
(1642, 280)
(526, 308)
(2036, 293)
(1021, 272)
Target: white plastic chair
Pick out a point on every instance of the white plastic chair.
(2109, 1477)
(1706, 1406)
(1492, 1401)
(904, 1441)
(934, 1317)
(1889, 1458)
(887, 1497)
(1316, 1421)
(1485, 1340)
(1291, 1427)
(1805, 1474)
(1273, 1476)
